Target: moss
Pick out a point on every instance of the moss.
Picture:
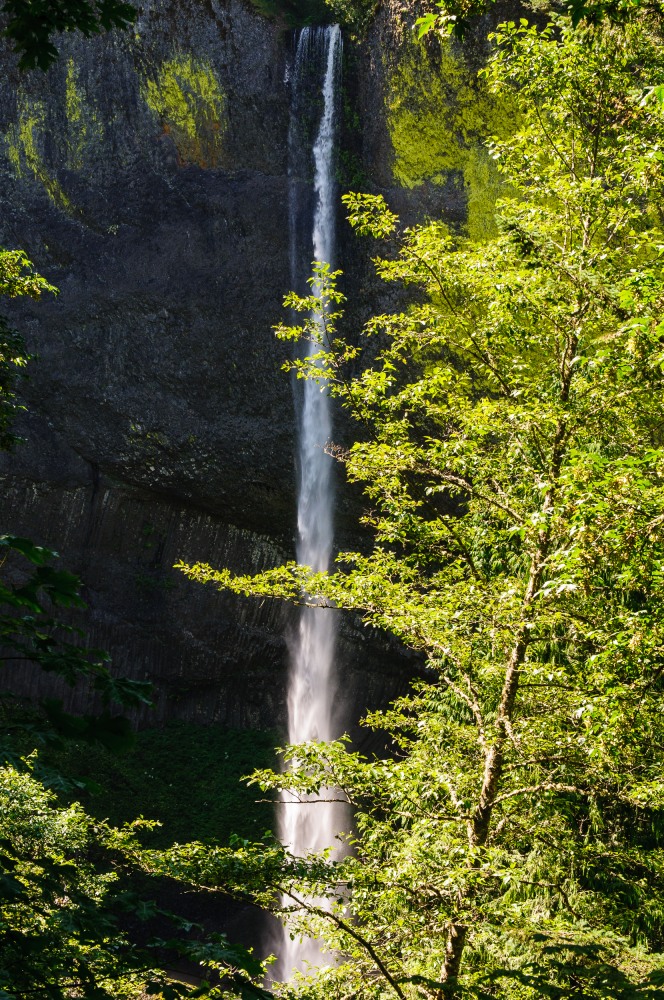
(77, 125)
(484, 186)
(13, 152)
(73, 98)
(350, 173)
(191, 106)
(25, 139)
(23, 143)
(440, 117)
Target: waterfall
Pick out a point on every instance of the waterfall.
(311, 691)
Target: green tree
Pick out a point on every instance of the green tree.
(59, 934)
(457, 17)
(68, 910)
(511, 446)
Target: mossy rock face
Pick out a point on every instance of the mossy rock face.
(441, 119)
(24, 143)
(186, 96)
(146, 174)
(27, 138)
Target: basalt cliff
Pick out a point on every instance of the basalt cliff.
(146, 176)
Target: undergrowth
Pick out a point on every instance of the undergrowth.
(186, 776)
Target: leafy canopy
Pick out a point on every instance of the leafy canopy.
(69, 911)
(455, 17)
(511, 446)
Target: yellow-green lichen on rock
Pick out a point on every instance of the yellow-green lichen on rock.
(191, 106)
(24, 145)
(440, 117)
(72, 126)
(77, 118)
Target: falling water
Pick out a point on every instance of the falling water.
(311, 692)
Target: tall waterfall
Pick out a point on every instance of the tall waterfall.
(311, 691)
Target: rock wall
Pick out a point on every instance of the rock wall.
(146, 176)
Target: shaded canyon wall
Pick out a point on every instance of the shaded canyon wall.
(146, 176)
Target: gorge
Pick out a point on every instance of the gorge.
(427, 568)
(147, 175)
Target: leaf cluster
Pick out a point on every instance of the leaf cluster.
(32, 24)
(17, 277)
(459, 17)
(67, 910)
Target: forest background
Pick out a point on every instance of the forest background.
(509, 441)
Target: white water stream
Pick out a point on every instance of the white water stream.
(312, 683)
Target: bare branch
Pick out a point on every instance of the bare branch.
(348, 929)
(548, 786)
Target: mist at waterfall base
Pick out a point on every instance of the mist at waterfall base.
(312, 679)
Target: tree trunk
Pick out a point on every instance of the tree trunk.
(480, 823)
(453, 951)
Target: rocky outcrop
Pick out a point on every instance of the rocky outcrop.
(146, 175)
